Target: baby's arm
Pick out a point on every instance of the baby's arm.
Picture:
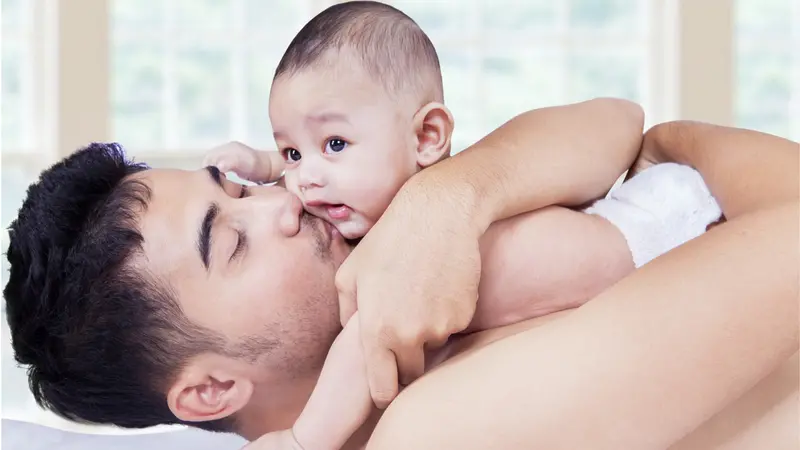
(553, 259)
(338, 406)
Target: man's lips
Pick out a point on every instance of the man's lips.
(328, 230)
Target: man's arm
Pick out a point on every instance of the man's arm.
(745, 170)
(658, 353)
(414, 277)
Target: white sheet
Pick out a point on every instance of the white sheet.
(19, 435)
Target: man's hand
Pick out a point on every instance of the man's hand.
(414, 280)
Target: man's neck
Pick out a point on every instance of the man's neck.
(274, 407)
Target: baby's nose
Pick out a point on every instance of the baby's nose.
(311, 173)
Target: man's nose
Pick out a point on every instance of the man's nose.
(273, 207)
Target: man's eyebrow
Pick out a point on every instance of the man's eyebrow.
(215, 174)
(204, 233)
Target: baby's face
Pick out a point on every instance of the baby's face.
(348, 147)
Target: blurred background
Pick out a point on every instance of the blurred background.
(170, 78)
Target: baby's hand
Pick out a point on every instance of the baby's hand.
(341, 401)
(247, 162)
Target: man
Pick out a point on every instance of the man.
(137, 298)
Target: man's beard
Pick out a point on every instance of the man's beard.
(322, 245)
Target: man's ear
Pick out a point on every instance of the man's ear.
(433, 125)
(206, 390)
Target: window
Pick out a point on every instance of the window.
(767, 40)
(187, 75)
(501, 58)
(21, 151)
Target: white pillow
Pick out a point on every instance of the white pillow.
(19, 435)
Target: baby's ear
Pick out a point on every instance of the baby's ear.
(433, 126)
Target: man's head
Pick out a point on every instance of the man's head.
(356, 106)
(140, 296)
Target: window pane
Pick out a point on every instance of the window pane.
(15, 182)
(176, 74)
(14, 186)
(618, 15)
(206, 15)
(518, 81)
(759, 17)
(435, 17)
(512, 15)
(137, 15)
(767, 64)
(282, 18)
(603, 73)
(764, 91)
(12, 107)
(460, 93)
(261, 68)
(15, 89)
(15, 17)
(203, 81)
(137, 93)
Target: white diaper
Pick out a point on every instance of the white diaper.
(659, 209)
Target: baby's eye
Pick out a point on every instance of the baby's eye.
(291, 155)
(335, 145)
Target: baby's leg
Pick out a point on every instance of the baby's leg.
(546, 261)
(555, 258)
(659, 209)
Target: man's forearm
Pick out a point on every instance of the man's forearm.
(719, 152)
(564, 155)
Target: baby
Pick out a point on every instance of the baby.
(357, 109)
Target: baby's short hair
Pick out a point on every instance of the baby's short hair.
(391, 47)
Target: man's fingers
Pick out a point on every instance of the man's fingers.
(410, 364)
(382, 375)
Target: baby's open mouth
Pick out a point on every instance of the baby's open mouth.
(338, 211)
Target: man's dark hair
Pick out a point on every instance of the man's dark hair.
(102, 341)
(390, 45)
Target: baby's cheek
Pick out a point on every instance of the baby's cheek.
(376, 205)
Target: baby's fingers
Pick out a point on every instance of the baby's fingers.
(225, 163)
